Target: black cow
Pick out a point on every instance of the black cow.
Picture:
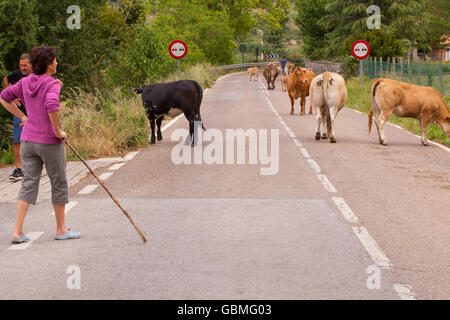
(159, 98)
(270, 73)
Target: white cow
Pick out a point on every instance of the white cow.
(327, 95)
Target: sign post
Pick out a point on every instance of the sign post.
(360, 50)
(178, 50)
(243, 49)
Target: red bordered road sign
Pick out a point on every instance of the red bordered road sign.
(178, 49)
(360, 49)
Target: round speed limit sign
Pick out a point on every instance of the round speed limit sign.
(360, 49)
(178, 49)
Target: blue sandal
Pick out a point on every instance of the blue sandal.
(69, 235)
(22, 239)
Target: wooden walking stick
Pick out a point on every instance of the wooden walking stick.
(110, 194)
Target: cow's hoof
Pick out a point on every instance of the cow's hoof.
(159, 138)
(302, 113)
(426, 144)
(152, 141)
(324, 136)
(317, 135)
(292, 112)
(383, 142)
(333, 140)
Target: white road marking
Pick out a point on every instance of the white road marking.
(69, 207)
(345, 209)
(404, 291)
(22, 246)
(105, 175)
(372, 248)
(88, 189)
(326, 183)
(131, 155)
(116, 166)
(314, 165)
(305, 152)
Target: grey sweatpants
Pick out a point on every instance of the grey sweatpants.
(33, 156)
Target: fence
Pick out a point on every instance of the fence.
(432, 74)
(319, 67)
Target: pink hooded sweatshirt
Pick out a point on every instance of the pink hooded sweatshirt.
(40, 95)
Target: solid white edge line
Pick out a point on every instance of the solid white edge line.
(22, 246)
(88, 189)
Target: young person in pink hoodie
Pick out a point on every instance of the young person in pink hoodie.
(42, 140)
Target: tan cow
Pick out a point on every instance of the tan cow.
(410, 101)
(327, 95)
(253, 73)
(298, 87)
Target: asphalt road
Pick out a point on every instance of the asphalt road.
(351, 220)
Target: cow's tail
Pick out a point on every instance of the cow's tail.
(138, 90)
(199, 102)
(325, 108)
(373, 102)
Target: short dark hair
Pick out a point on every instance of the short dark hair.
(41, 58)
(25, 56)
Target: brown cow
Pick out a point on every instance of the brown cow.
(253, 73)
(270, 73)
(290, 67)
(298, 87)
(410, 101)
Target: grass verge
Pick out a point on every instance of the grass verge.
(359, 99)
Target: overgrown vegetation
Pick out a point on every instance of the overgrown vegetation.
(359, 99)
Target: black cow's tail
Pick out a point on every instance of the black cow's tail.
(199, 102)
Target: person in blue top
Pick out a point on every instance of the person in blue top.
(283, 65)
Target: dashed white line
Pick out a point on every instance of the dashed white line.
(376, 254)
(314, 165)
(305, 152)
(88, 189)
(372, 248)
(404, 291)
(69, 207)
(22, 246)
(345, 209)
(326, 183)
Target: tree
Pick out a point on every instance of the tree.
(401, 18)
(18, 29)
(309, 12)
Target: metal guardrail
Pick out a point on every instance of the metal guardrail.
(244, 65)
